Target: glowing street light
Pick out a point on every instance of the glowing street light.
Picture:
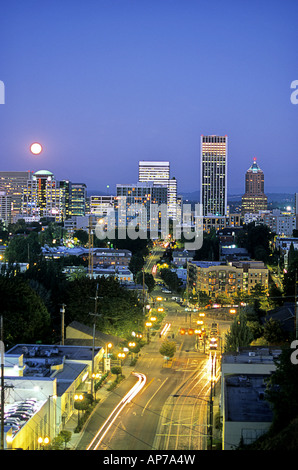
(43, 441)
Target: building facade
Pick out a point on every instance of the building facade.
(43, 197)
(78, 199)
(102, 205)
(13, 183)
(254, 199)
(213, 183)
(216, 277)
(5, 207)
(159, 174)
(141, 195)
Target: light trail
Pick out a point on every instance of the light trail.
(165, 329)
(96, 441)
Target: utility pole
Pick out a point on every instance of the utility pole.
(93, 338)
(62, 311)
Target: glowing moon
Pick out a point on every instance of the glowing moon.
(36, 148)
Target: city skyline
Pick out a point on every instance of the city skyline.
(104, 85)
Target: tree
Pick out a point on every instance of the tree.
(273, 332)
(23, 249)
(26, 318)
(256, 239)
(210, 247)
(116, 370)
(282, 391)
(148, 279)
(82, 236)
(119, 309)
(239, 335)
(168, 349)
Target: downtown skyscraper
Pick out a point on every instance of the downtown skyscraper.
(254, 199)
(213, 175)
(159, 173)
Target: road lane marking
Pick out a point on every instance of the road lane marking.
(153, 395)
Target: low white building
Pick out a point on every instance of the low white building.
(51, 375)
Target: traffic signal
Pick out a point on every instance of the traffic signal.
(182, 331)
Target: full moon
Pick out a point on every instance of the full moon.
(36, 148)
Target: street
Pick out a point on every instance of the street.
(171, 409)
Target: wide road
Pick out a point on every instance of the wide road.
(135, 427)
(169, 406)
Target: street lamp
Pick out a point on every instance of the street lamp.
(43, 441)
(121, 356)
(96, 375)
(79, 398)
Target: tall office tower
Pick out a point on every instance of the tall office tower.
(78, 198)
(213, 187)
(5, 207)
(13, 183)
(172, 198)
(65, 187)
(43, 197)
(159, 174)
(254, 199)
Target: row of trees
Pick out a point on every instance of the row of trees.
(31, 303)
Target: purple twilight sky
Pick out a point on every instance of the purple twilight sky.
(103, 84)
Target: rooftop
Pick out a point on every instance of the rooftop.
(255, 355)
(245, 399)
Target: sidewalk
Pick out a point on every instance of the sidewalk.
(101, 394)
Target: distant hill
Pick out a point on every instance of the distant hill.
(272, 197)
(195, 196)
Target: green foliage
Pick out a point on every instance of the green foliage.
(256, 239)
(60, 441)
(23, 249)
(170, 278)
(118, 308)
(82, 236)
(148, 279)
(26, 318)
(210, 248)
(282, 391)
(168, 349)
(117, 370)
(239, 335)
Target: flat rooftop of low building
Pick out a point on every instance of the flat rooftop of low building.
(252, 355)
(46, 351)
(245, 399)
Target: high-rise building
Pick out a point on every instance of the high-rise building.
(213, 187)
(5, 207)
(159, 174)
(65, 187)
(101, 205)
(43, 197)
(13, 183)
(254, 199)
(140, 195)
(154, 171)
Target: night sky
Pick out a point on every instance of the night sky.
(103, 84)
